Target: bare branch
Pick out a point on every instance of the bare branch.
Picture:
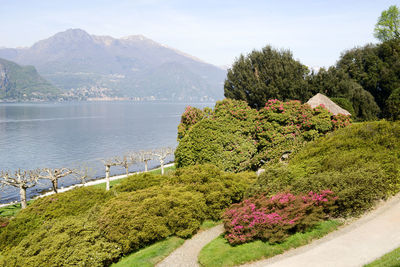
(22, 180)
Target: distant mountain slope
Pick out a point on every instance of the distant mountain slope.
(133, 66)
(24, 83)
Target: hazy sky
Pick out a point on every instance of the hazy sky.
(316, 31)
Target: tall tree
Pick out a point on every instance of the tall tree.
(22, 180)
(376, 68)
(388, 25)
(266, 74)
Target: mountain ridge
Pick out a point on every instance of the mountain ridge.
(125, 67)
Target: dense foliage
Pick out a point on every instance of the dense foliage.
(91, 227)
(138, 218)
(70, 241)
(274, 218)
(388, 25)
(364, 76)
(72, 203)
(236, 137)
(361, 163)
(264, 75)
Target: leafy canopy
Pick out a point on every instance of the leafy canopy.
(388, 25)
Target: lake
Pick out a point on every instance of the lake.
(55, 135)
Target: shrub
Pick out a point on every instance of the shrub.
(274, 219)
(190, 117)
(144, 216)
(220, 189)
(237, 138)
(72, 203)
(393, 105)
(361, 163)
(70, 241)
(139, 181)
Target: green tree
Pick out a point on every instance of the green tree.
(337, 84)
(376, 68)
(267, 74)
(388, 25)
(393, 104)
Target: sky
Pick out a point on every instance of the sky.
(316, 31)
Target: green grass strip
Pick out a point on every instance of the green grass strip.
(151, 255)
(220, 253)
(391, 259)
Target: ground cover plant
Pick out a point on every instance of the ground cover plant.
(361, 163)
(97, 227)
(235, 137)
(220, 253)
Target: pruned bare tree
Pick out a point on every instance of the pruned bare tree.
(162, 153)
(145, 156)
(22, 180)
(54, 175)
(108, 163)
(83, 172)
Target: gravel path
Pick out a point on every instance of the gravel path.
(186, 255)
(356, 244)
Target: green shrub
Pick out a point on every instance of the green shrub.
(345, 103)
(139, 218)
(139, 181)
(220, 189)
(70, 241)
(361, 163)
(71, 203)
(236, 137)
(393, 105)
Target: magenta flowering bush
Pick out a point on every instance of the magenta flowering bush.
(236, 137)
(274, 218)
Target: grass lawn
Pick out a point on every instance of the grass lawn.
(219, 253)
(155, 253)
(11, 210)
(151, 255)
(392, 259)
(155, 171)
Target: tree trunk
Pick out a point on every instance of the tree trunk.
(55, 185)
(107, 177)
(145, 166)
(162, 167)
(127, 170)
(22, 193)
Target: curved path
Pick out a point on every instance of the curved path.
(186, 255)
(356, 244)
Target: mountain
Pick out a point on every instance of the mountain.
(24, 83)
(133, 66)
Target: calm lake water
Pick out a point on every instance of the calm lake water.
(58, 135)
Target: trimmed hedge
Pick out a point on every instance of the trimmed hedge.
(361, 163)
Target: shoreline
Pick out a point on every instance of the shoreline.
(90, 183)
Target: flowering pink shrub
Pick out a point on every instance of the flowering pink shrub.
(190, 117)
(274, 218)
